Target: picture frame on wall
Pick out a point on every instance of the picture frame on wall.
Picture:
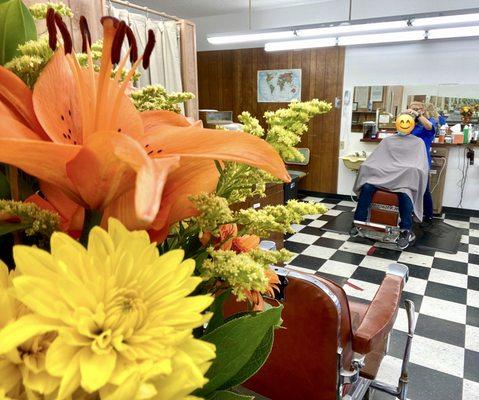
(279, 85)
(355, 106)
(376, 93)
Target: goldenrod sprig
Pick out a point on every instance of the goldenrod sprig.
(156, 97)
(37, 221)
(39, 10)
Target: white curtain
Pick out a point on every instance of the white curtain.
(165, 61)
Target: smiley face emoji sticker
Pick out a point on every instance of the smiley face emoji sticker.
(405, 123)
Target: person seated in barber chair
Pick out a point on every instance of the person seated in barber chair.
(399, 165)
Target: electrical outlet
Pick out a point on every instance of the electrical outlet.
(341, 145)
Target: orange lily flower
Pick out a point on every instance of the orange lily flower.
(79, 132)
(228, 239)
(245, 243)
(256, 298)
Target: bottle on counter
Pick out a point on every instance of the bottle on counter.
(465, 132)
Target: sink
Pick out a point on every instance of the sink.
(354, 160)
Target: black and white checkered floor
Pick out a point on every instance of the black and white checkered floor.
(444, 361)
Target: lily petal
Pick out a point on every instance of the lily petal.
(108, 165)
(217, 145)
(150, 181)
(153, 121)
(191, 178)
(16, 99)
(14, 129)
(44, 160)
(56, 102)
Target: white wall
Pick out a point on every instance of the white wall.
(422, 63)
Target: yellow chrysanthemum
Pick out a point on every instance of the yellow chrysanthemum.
(121, 312)
(22, 368)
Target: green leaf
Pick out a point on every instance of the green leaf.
(256, 361)
(236, 342)
(217, 309)
(7, 227)
(227, 395)
(17, 26)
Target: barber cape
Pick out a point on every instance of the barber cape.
(399, 164)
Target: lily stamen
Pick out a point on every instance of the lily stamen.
(132, 43)
(150, 44)
(67, 39)
(52, 30)
(118, 43)
(85, 34)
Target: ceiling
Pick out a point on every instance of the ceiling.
(203, 8)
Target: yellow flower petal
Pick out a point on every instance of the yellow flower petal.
(34, 262)
(96, 369)
(70, 380)
(59, 355)
(23, 329)
(127, 390)
(9, 375)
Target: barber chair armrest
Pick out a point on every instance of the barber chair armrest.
(381, 314)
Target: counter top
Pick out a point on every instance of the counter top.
(433, 145)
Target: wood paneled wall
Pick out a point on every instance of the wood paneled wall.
(227, 81)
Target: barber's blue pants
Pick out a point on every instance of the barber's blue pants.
(427, 203)
(406, 207)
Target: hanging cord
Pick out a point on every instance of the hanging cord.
(440, 174)
(462, 182)
(249, 14)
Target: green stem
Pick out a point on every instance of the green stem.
(92, 218)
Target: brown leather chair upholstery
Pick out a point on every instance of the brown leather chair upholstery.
(322, 331)
(385, 208)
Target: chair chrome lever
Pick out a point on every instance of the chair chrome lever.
(352, 376)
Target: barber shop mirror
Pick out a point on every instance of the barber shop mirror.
(376, 107)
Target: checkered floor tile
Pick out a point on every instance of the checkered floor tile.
(444, 361)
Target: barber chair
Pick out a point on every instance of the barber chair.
(331, 348)
(382, 224)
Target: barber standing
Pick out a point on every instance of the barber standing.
(425, 129)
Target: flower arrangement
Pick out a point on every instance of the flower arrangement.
(118, 241)
(467, 111)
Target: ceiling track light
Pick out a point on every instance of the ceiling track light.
(300, 44)
(354, 28)
(251, 37)
(347, 33)
(445, 20)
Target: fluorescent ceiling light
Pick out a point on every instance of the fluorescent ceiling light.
(390, 37)
(466, 31)
(358, 28)
(300, 44)
(251, 37)
(446, 20)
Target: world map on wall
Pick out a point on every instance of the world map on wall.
(279, 85)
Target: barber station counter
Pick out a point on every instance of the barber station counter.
(433, 144)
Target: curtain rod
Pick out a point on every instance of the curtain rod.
(145, 9)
